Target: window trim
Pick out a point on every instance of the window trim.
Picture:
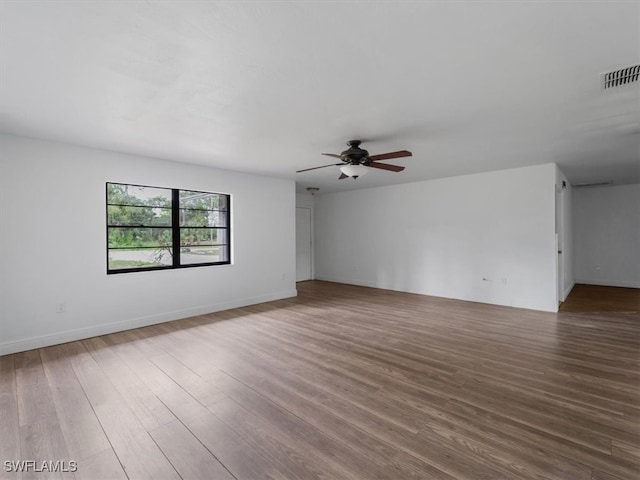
(175, 231)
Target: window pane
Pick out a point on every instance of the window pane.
(140, 258)
(203, 245)
(138, 216)
(202, 200)
(129, 237)
(203, 218)
(191, 237)
(204, 254)
(119, 194)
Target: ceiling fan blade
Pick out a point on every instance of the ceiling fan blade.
(322, 166)
(342, 175)
(384, 166)
(388, 156)
(332, 155)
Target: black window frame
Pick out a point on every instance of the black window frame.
(174, 227)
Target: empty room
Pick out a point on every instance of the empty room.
(319, 240)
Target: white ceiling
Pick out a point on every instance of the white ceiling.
(265, 87)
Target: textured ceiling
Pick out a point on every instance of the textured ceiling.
(265, 87)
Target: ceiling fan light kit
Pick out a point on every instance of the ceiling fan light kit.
(354, 171)
(356, 161)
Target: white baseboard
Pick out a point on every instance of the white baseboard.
(350, 281)
(610, 283)
(551, 307)
(94, 331)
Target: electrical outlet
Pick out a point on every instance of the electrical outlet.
(503, 280)
(61, 307)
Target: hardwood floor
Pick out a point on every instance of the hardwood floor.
(342, 382)
(594, 298)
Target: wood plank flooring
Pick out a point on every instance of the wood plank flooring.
(342, 382)
(594, 298)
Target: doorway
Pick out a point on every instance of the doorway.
(303, 244)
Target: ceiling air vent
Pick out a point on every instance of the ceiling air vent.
(593, 184)
(620, 77)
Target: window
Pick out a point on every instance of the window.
(150, 228)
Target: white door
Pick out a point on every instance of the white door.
(560, 243)
(303, 244)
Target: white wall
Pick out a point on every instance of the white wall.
(488, 237)
(53, 245)
(607, 235)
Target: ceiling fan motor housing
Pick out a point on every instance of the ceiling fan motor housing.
(354, 154)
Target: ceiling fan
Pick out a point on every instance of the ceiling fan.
(355, 161)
